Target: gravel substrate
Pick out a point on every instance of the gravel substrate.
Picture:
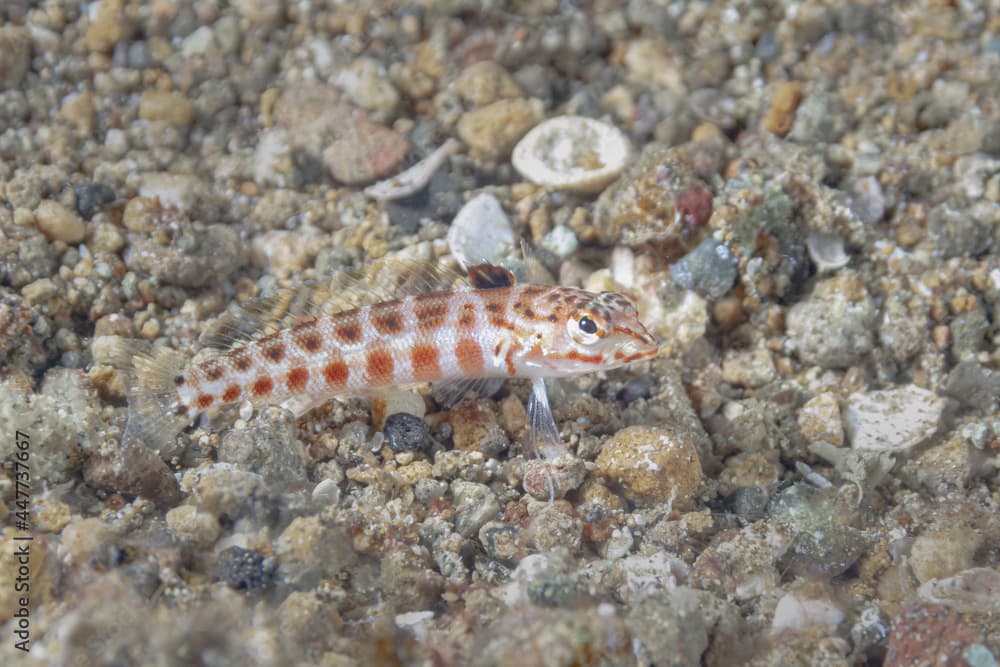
(803, 199)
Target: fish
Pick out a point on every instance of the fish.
(490, 328)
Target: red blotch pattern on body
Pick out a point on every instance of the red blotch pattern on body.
(241, 360)
(297, 379)
(214, 370)
(231, 394)
(275, 353)
(380, 366)
(205, 400)
(309, 341)
(349, 333)
(263, 386)
(336, 373)
(388, 320)
(425, 362)
(431, 315)
(469, 356)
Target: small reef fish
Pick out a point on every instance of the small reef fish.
(492, 327)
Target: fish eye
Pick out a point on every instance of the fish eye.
(587, 325)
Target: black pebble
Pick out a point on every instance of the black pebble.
(748, 502)
(242, 569)
(406, 432)
(91, 196)
(640, 387)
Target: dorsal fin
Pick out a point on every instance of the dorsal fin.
(382, 280)
(490, 276)
(534, 271)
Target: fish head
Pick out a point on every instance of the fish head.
(591, 332)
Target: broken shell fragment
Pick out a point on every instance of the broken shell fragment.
(827, 251)
(572, 153)
(416, 177)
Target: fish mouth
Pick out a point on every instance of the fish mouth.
(642, 347)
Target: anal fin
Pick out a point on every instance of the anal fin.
(447, 394)
(543, 434)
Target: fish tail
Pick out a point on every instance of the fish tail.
(155, 412)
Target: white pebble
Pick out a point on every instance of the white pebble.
(798, 613)
(561, 241)
(481, 231)
(198, 42)
(895, 420)
(327, 492)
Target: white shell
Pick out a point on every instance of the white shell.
(827, 251)
(572, 153)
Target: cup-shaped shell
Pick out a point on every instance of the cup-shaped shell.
(572, 153)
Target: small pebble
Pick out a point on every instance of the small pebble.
(172, 108)
(90, 197)
(785, 100)
(709, 269)
(748, 368)
(797, 611)
(485, 82)
(367, 85)
(748, 503)
(546, 479)
(200, 528)
(406, 433)
(658, 199)
(926, 633)
(309, 550)
(833, 327)
(15, 47)
(819, 419)
(561, 241)
(475, 504)
(941, 553)
(652, 465)
(492, 131)
(242, 569)
(58, 222)
(974, 385)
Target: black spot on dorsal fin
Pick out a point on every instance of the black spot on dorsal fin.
(490, 276)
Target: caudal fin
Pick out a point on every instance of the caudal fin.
(154, 418)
